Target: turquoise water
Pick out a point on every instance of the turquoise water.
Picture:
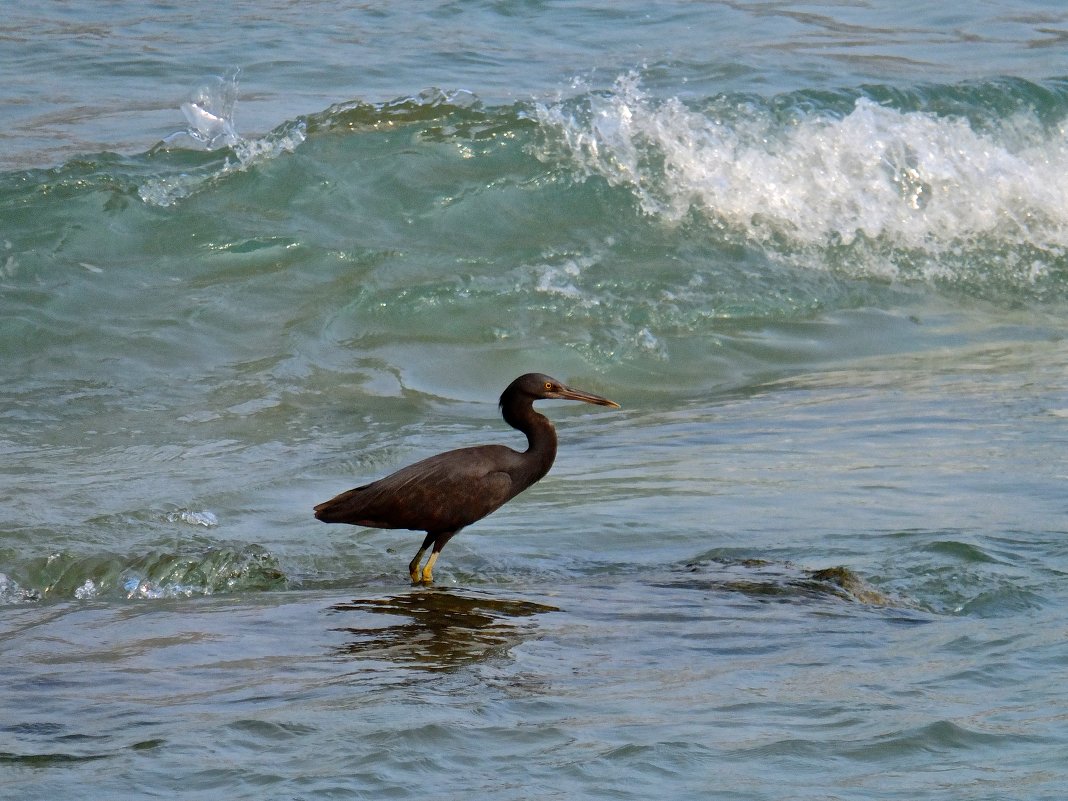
(252, 257)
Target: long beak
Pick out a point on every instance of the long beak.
(567, 393)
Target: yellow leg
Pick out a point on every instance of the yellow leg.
(428, 569)
(427, 574)
(413, 566)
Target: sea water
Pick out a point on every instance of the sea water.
(253, 256)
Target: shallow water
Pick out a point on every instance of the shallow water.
(816, 253)
(731, 686)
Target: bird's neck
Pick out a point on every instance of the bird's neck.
(541, 439)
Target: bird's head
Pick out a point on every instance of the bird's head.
(538, 386)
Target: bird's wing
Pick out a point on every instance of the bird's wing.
(442, 493)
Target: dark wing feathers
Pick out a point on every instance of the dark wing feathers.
(442, 493)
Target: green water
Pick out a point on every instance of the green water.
(817, 255)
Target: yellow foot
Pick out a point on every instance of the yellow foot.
(428, 575)
(413, 566)
(423, 577)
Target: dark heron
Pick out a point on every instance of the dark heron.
(442, 494)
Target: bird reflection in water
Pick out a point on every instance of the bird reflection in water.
(437, 629)
(442, 494)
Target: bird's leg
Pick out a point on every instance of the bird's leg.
(428, 569)
(439, 543)
(413, 566)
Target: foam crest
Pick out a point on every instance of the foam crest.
(209, 112)
(169, 189)
(905, 179)
(157, 574)
(13, 593)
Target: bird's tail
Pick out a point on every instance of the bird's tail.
(344, 508)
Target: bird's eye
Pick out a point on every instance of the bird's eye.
(548, 384)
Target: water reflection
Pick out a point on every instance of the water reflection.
(436, 629)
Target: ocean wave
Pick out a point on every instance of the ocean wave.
(210, 115)
(883, 184)
(744, 206)
(430, 105)
(152, 575)
(168, 189)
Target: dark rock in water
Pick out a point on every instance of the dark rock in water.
(843, 582)
(761, 577)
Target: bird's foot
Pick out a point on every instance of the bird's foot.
(413, 568)
(426, 575)
(420, 577)
(428, 568)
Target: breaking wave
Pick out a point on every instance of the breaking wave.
(885, 183)
(157, 574)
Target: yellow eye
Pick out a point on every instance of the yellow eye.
(548, 384)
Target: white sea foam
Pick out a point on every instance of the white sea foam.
(12, 593)
(167, 190)
(553, 279)
(194, 518)
(906, 179)
(209, 111)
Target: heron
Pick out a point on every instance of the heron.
(444, 493)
